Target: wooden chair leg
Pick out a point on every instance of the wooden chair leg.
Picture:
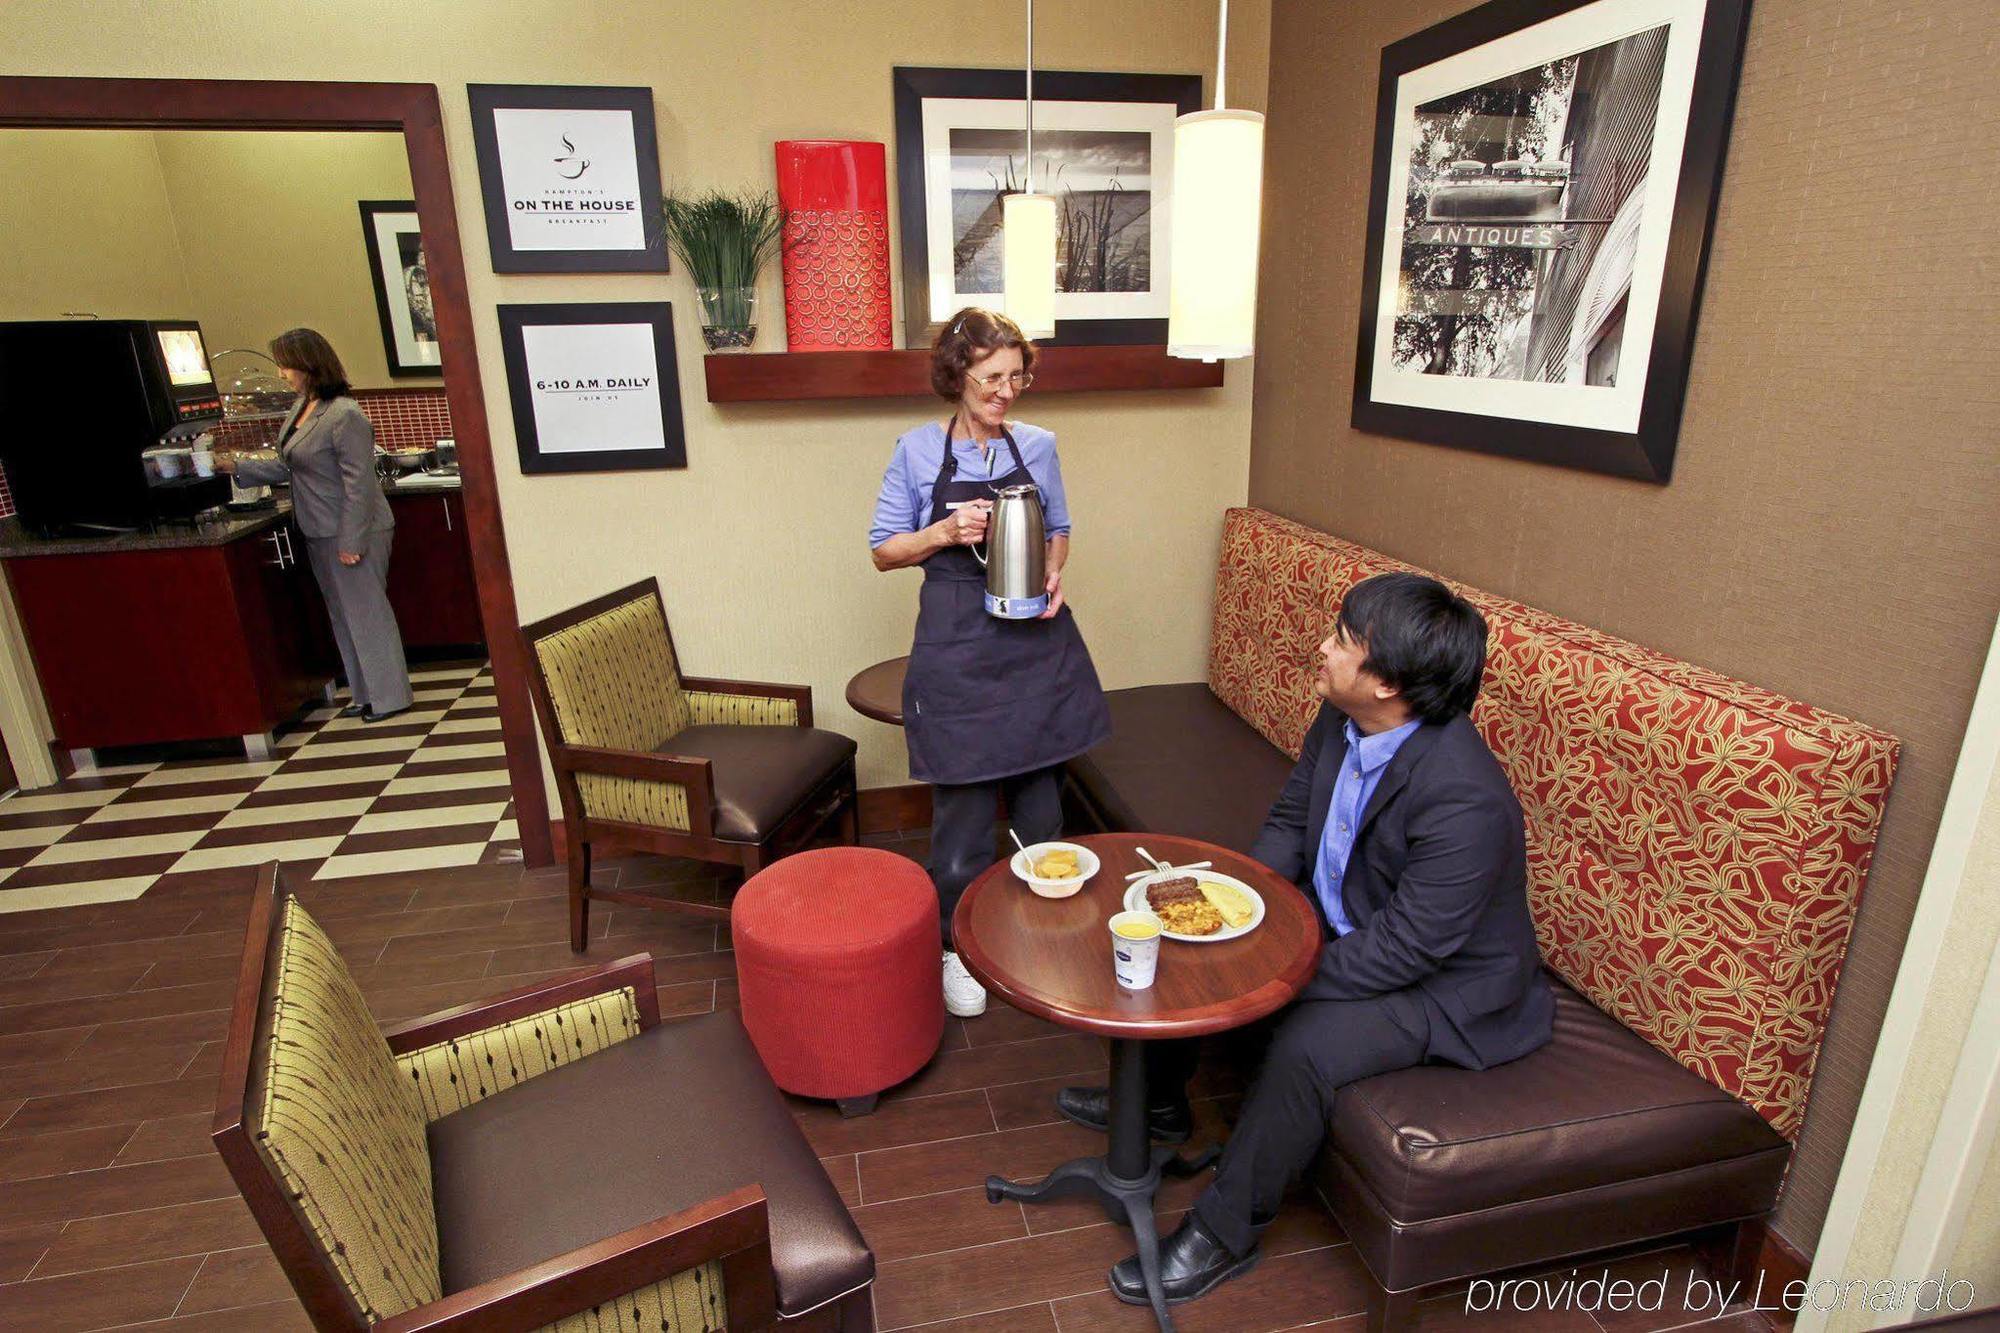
(1391, 1311)
(579, 895)
(1746, 1250)
(850, 813)
(857, 1311)
(755, 859)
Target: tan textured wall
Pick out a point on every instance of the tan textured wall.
(761, 544)
(86, 227)
(1830, 529)
(251, 234)
(270, 229)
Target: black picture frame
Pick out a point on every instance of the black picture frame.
(537, 456)
(913, 84)
(1646, 453)
(395, 352)
(487, 98)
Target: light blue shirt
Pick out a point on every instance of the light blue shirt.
(1361, 770)
(904, 504)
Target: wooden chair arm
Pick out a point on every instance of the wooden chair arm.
(801, 695)
(635, 971)
(697, 776)
(733, 1228)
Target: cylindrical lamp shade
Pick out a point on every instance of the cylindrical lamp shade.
(1028, 262)
(1217, 209)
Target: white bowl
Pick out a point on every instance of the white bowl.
(1022, 865)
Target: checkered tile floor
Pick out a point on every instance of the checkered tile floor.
(340, 797)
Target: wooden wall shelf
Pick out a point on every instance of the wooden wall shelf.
(764, 377)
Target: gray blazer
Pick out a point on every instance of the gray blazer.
(330, 462)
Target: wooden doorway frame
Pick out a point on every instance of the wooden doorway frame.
(412, 110)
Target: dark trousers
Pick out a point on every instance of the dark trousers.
(962, 827)
(1314, 1050)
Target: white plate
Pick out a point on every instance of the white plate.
(1135, 901)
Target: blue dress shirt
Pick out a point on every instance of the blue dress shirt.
(1361, 772)
(904, 504)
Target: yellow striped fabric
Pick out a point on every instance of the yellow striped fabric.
(688, 1302)
(452, 1075)
(343, 1129)
(710, 708)
(613, 679)
(654, 804)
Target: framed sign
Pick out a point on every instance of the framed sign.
(1104, 147)
(595, 388)
(402, 286)
(570, 178)
(1546, 174)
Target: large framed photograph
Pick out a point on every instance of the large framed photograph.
(1103, 147)
(595, 388)
(402, 286)
(1546, 174)
(570, 178)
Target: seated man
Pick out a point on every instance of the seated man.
(1398, 824)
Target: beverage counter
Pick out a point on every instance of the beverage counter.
(217, 629)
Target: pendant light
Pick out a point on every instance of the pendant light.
(1028, 236)
(1217, 207)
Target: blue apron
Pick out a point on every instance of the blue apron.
(986, 698)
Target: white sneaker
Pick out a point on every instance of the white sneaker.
(963, 997)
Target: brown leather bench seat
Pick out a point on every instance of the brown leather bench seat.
(665, 1120)
(1439, 1173)
(1181, 761)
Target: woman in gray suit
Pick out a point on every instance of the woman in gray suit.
(327, 453)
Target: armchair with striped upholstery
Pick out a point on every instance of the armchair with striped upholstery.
(650, 760)
(445, 1175)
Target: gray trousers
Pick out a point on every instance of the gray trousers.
(364, 626)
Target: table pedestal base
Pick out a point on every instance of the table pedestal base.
(1125, 1178)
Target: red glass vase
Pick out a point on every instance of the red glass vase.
(835, 194)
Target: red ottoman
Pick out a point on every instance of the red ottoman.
(837, 955)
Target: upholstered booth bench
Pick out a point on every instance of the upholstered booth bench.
(1696, 851)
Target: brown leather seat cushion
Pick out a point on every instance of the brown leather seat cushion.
(1597, 1106)
(762, 774)
(677, 1115)
(1180, 761)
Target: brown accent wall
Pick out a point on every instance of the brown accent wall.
(1832, 529)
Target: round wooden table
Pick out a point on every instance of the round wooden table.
(877, 691)
(1051, 957)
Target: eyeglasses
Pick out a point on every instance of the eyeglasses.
(990, 384)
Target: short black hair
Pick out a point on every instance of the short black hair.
(1421, 637)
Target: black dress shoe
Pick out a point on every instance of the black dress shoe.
(353, 710)
(1192, 1263)
(1091, 1108)
(370, 715)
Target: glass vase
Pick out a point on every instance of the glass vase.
(728, 317)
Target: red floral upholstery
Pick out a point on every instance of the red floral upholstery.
(1696, 846)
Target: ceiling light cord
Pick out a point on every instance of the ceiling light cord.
(1030, 170)
(1221, 51)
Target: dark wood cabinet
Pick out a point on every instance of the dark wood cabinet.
(431, 584)
(134, 647)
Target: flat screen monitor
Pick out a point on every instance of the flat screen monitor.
(185, 358)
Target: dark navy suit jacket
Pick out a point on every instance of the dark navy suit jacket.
(1436, 887)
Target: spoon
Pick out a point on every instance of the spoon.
(1018, 843)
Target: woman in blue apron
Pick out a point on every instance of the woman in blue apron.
(991, 707)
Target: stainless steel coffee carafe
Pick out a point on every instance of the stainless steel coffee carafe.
(1016, 555)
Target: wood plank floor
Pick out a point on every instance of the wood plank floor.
(115, 1212)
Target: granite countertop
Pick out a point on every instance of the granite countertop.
(232, 525)
(16, 540)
